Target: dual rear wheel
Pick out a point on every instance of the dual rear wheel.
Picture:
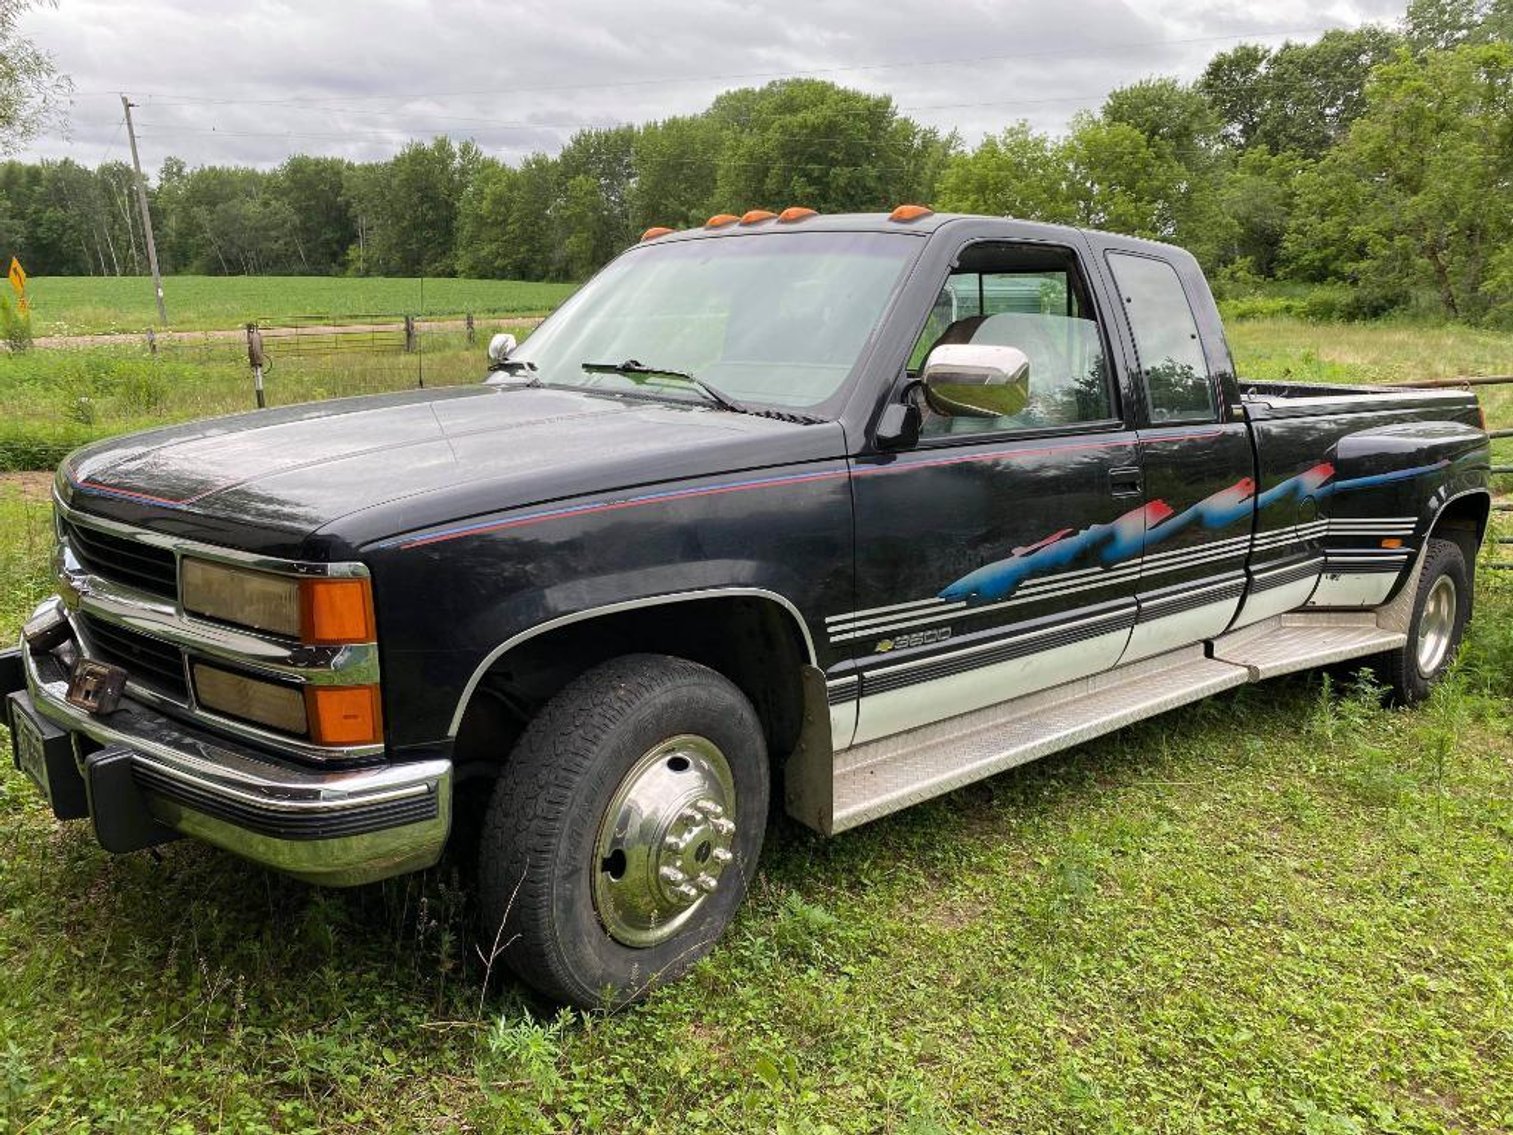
(1441, 607)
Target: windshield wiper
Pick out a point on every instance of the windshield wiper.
(637, 372)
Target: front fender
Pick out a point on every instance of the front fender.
(447, 608)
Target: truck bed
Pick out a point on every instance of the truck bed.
(1303, 399)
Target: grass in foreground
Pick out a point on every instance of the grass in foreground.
(82, 305)
(1284, 909)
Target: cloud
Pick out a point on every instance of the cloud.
(252, 82)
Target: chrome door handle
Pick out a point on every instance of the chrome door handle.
(1125, 481)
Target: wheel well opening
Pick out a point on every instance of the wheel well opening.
(1464, 520)
(750, 640)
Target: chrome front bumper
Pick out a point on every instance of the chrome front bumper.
(338, 828)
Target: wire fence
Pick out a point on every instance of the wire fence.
(303, 357)
(1495, 433)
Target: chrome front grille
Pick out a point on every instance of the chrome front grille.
(120, 586)
(150, 662)
(142, 566)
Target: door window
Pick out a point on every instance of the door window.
(1177, 383)
(1030, 297)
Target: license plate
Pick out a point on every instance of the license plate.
(95, 686)
(29, 755)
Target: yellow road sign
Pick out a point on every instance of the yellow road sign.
(18, 276)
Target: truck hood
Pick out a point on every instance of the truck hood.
(335, 475)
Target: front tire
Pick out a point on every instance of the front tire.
(619, 840)
(1441, 607)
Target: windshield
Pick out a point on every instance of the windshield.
(777, 319)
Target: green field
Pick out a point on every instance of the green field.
(56, 399)
(83, 305)
(1284, 910)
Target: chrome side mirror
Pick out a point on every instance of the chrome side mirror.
(501, 346)
(976, 380)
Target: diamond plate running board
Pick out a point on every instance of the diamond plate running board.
(1287, 643)
(869, 781)
(883, 776)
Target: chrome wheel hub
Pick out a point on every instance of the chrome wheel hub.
(1436, 626)
(665, 840)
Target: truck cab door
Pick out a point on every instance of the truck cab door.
(999, 555)
(1199, 464)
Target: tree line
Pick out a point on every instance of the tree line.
(1377, 158)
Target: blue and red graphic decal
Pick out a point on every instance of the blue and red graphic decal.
(1142, 529)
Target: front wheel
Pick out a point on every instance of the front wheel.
(621, 836)
(1441, 607)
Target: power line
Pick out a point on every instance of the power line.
(909, 64)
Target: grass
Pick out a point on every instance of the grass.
(79, 305)
(1285, 909)
(1294, 350)
(54, 400)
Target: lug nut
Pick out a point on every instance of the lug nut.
(710, 808)
(707, 884)
(686, 890)
(724, 827)
(673, 875)
(721, 856)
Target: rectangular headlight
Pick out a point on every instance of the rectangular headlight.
(249, 598)
(251, 699)
(317, 610)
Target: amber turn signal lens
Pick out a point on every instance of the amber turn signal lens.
(721, 219)
(794, 213)
(653, 233)
(1392, 542)
(910, 212)
(752, 216)
(343, 715)
(336, 611)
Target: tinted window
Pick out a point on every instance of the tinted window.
(1166, 339)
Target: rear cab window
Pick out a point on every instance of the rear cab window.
(1173, 368)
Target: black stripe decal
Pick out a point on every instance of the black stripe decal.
(1159, 606)
(947, 666)
(1353, 565)
(849, 690)
(1271, 580)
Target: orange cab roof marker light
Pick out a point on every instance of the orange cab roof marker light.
(754, 216)
(719, 220)
(910, 212)
(653, 233)
(795, 213)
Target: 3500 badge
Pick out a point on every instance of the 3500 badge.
(918, 638)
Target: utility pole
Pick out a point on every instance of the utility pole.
(152, 244)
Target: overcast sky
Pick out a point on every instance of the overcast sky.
(256, 80)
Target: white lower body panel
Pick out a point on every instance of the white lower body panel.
(910, 707)
(882, 774)
(1353, 589)
(1159, 636)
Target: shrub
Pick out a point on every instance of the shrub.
(15, 326)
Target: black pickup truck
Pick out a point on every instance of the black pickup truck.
(840, 513)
